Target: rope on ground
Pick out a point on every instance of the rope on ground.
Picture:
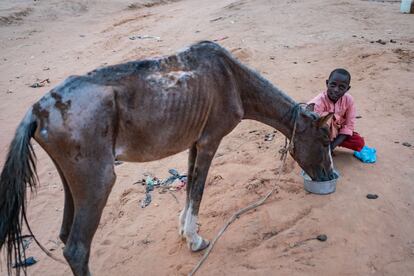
(284, 151)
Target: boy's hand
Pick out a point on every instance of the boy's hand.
(338, 140)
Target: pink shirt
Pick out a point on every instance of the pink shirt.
(344, 113)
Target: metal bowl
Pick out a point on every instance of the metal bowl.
(319, 187)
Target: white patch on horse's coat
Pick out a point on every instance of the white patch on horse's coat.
(119, 151)
(184, 49)
(170, 79)
(44, 134)
(330, 158)
(194, 241)
(181, 221)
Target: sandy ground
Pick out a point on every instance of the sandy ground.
(295, 44)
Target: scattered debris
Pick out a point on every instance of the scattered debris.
(142, 182)
(221, 38)
(147, 200)
(380, 41)
(146, 241)
(152, 182)
(322, 237)
(269, 136)
(26, 240)
(372, 196)
(135, 37)
(393, 41)
(149, 187)
(255, 184)
(217, 19)
(175, 175)
(9, 91)
(405, 144)
(27, 262)
(40, 83)
(132, 6)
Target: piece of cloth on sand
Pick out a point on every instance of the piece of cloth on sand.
(366, 155)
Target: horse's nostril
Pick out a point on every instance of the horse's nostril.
(320, 174)
(333, 175)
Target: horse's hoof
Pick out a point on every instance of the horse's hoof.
(181, 234)
(203, 245)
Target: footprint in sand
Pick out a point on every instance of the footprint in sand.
(176, 248)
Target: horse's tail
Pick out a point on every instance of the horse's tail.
(19, 171)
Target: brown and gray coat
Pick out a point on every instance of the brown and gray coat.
(142, 111)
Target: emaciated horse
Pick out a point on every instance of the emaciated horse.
(191, 99)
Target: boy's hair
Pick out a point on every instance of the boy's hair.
(342, 72)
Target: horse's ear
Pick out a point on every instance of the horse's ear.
(310, 107)
(325, 119)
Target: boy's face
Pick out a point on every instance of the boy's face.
(337, 86)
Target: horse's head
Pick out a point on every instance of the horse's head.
(311, 148)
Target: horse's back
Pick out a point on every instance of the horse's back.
(162, 113)
(144, 110)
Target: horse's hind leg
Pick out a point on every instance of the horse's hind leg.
(68, 210)
(91, 182)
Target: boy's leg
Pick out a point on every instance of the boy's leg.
(354, 142)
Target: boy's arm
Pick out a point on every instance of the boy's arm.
(349, 124)
(347, 128)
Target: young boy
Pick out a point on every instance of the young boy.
(336, 100)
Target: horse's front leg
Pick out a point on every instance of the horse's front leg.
(205, 150)
(191, 163)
